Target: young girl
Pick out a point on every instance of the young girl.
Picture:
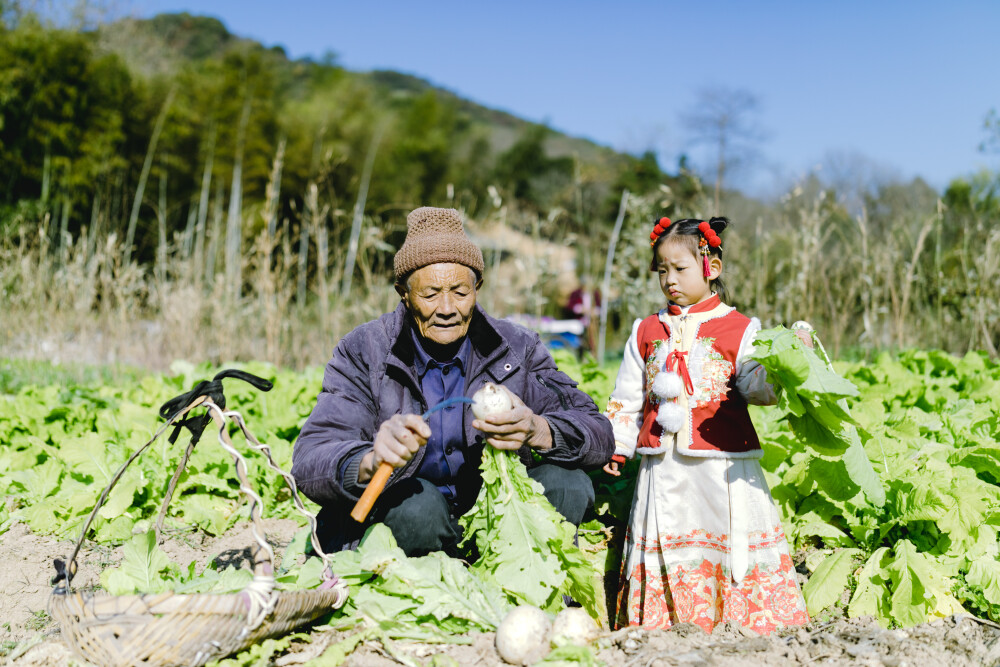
(704, 543)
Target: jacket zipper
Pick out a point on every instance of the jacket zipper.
(557, 389)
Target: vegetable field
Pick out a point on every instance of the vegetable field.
(890, 497)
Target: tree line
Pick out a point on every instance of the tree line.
(141, 119)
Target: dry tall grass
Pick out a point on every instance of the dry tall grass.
(922, 281)
(80, 300)
(911, 283)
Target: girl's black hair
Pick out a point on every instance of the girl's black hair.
(686, 231)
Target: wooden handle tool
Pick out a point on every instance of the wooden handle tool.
(371, 494)
(384, 470)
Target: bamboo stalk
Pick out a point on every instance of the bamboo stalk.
(133, 218)
(606, 283)
(359, 211)
(274, 190)
(213, 242)
(300, 292)
(203, 197)
(234, 223)
(46, 175)
(161, 223)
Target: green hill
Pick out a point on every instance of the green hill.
(179, 110)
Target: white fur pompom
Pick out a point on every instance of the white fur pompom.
(670, 417)
(667, 384)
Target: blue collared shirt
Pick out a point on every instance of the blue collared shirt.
(440, 381)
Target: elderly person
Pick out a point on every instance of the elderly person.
(439, 344)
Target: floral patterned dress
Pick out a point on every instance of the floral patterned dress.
(704, 542)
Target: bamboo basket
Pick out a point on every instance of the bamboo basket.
(168, 629)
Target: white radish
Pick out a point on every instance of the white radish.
(490, 400)
(523, 635)
(573, 625)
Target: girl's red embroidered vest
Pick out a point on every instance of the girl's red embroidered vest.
(718, 423)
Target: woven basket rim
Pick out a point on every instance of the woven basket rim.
(236, 596)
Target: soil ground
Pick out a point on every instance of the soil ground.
(29, 637)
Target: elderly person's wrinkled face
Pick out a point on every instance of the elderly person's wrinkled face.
(441, 298)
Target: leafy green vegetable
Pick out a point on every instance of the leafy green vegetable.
(815, 397)
(984, 573)
(925, 424)
(569, 655)
(141, 569)
(262, 654)
(525, 546)
(871, 597)
(145, 568)
(920, 589)
(829, 580)
(924, 433)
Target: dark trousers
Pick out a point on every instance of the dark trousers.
(421, 519)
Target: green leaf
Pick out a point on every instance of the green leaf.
(525, 545)
(296, 549)
(984, 574)
(815, 396)
(965, 512)
(41, 517)
(89, 456)
(833, 478)
(141, 568)
(431, 588)
(210, 513)
(262, 654)
(812, 525)
(569, 656)
(861, 472)
(871, 596)
(829, 580)
(336, 654)
(446, 588)
(920, 589)
(41, 481)
(798, 368)
(121, 497)
(310, 574)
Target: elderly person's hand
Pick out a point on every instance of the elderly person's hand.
(516, 427)
(397, 440)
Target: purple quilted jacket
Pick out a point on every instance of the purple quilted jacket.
(371, 378)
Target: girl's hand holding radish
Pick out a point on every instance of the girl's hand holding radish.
(803, 330)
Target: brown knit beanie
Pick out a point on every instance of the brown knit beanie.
(435, 235)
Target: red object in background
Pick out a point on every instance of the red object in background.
(582, 305)
(585, 305)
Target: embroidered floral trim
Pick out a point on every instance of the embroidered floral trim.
(703, 593)
(698, 538)
(710, 370)
(713, 373)
(654, 364)
(613, 410)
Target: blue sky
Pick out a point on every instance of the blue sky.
(906, 85)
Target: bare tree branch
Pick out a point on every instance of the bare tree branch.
(726, 119)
